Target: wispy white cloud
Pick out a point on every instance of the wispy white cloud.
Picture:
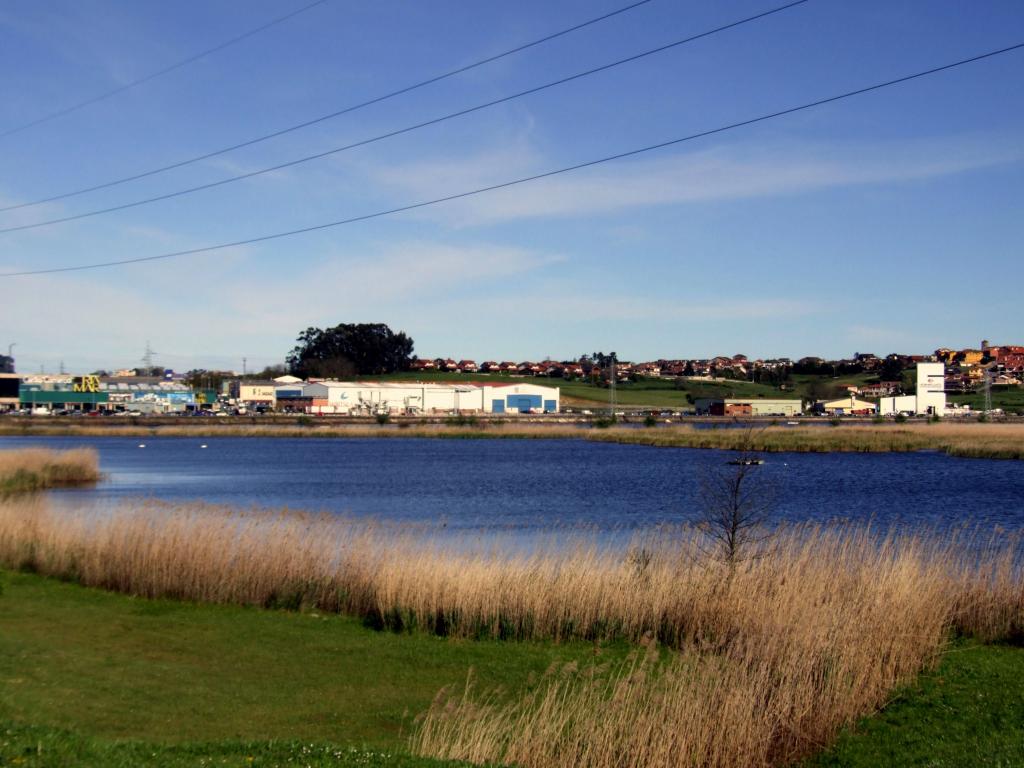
(221, 305)
(426, 178)
(627, 308)
(29, 215)
(721, 173)
(387, 277)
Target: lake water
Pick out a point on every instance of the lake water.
(538, 484)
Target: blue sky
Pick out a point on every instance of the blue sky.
(888, 222)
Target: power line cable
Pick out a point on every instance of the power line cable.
(524, 179)
(153, 75)
(330, 115)
(400, 131)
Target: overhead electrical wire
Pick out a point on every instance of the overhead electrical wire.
(400, 131)
(153, 75)
(330, 115)
(524, 179)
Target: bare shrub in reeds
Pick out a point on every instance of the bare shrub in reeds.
(735, 510)
(36, 469)
(766, 658)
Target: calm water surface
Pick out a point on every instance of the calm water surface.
(537, 484)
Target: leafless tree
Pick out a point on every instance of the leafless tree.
(736, 504)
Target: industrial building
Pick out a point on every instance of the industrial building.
(930, 397)
(254, 394)
(93, 393)
(844, 406)
(367, 397)
(748, 407)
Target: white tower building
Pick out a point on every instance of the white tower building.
(931, 389)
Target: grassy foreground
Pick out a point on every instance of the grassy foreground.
(970, 440)
(968, 712)
(91, 678)
(126, 677)
(760, 661)
(40, 747)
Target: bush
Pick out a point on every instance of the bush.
(603, 422)
(835, 421)
(901, 418)
(383, 418)
(878, 419)
(304, 421)
(461, 421)
(650, 421)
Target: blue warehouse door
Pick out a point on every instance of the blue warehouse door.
(523, 403)
(497, 406)
(549, 406)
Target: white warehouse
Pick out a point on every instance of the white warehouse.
(369, 397)
(930, 398)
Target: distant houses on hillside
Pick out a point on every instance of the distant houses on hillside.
(965, 369)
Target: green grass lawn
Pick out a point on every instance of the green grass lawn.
(1010, 399)
(969, 712)
(83, 669)
(36, 747)
(90, 678)
(826, 387)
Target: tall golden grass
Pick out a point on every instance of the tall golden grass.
(36, 469)
(968, 439)
(762, 661)
(770, 660)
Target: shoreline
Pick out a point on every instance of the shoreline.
(966, 440)
(676, 621)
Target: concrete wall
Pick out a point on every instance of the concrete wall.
(257, 393)
(776, 407)
(890, 406)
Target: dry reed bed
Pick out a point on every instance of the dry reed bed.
(767, 659)
(36, 469)
(971, 440)
(772, 659)
(995, 441)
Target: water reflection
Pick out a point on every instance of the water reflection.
(539, 485)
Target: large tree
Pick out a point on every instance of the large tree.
(350, 349)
